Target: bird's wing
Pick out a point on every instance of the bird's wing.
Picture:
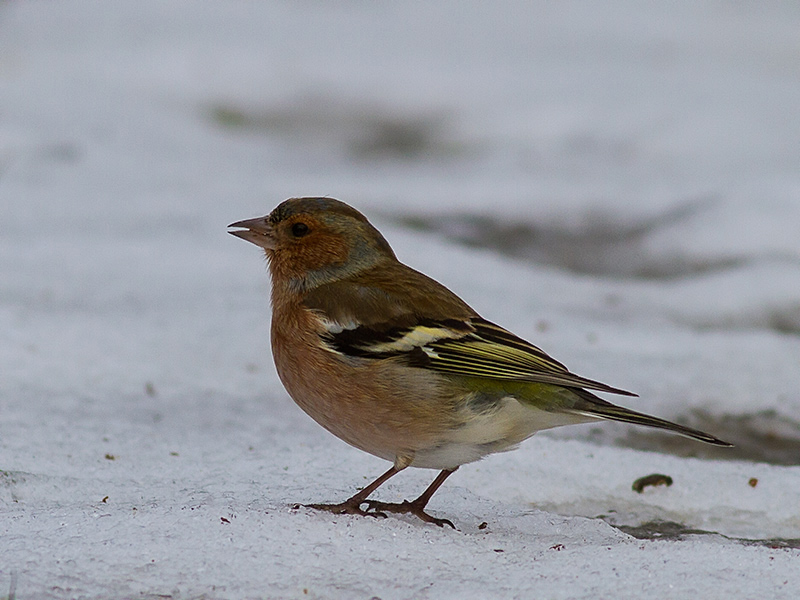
(396, 311)
(472, 347)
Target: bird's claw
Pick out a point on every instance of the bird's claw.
(405, 507)
(345, 508)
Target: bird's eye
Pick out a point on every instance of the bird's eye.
(299, 229)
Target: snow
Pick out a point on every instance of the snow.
(625, 177)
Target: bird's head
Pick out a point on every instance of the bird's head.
(312, 241)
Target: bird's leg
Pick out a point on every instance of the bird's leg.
(415, 507)
(352, 506)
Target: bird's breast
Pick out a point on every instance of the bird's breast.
(381, 406)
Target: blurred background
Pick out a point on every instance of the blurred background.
(618, 181)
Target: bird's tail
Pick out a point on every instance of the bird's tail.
(592, 406)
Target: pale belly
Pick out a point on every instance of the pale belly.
(493, 431)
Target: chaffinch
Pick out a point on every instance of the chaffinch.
(395, 364)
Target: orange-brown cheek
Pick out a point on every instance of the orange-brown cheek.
(326, 250)
(311, 254)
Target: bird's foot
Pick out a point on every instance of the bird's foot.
(348, 507)
(405, 507)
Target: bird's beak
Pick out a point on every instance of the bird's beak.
(257, 231)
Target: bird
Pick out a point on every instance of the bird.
(397, 365)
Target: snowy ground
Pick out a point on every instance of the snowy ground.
(618, 182)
